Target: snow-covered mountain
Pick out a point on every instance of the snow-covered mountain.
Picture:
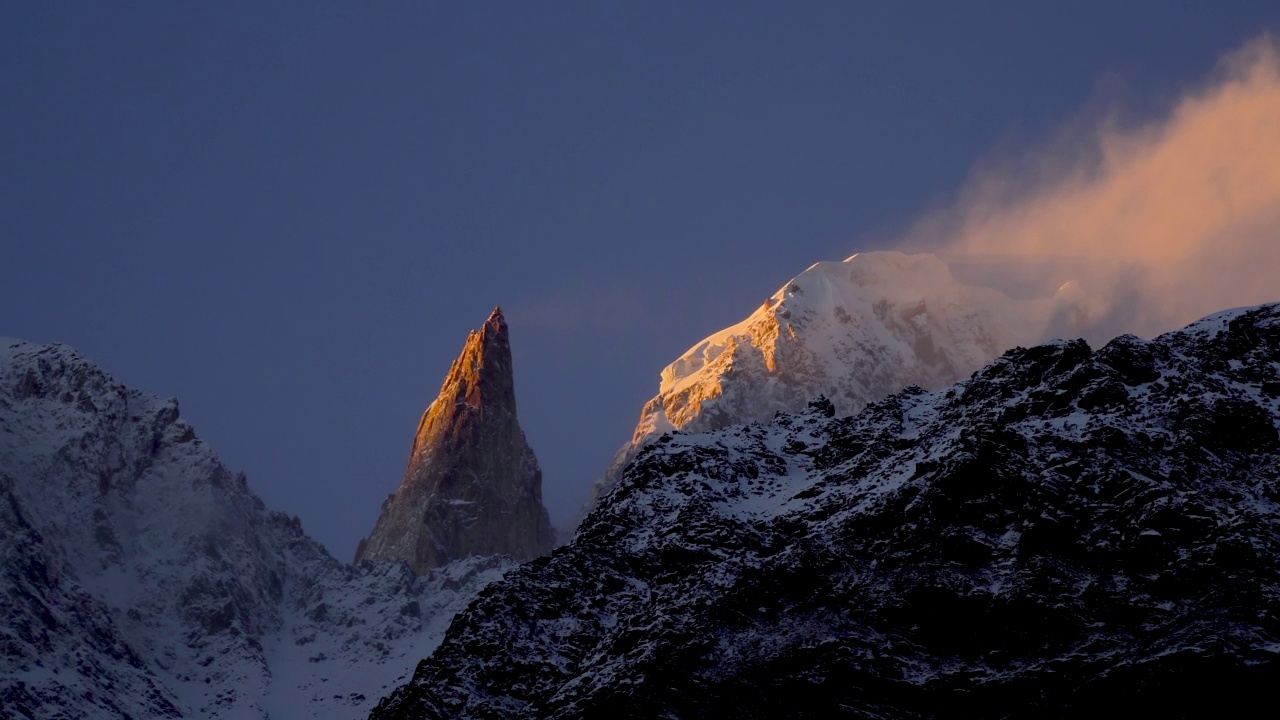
(1066, 533)
(853, 331)
(473, 485)
(143, 579)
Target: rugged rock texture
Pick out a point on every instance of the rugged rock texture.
(1067, 533)
(854, 332)
(51, 624)
(139, 577)
(473, 487)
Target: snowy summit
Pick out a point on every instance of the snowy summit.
(852, 331)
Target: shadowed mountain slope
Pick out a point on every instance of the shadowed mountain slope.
(1067, 532)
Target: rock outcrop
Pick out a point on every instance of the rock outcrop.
(473, 486)
(142, 578)
(1069, 533)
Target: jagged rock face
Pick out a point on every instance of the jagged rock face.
(473, 486)
(854, 332)
(1067, 533)
(142, 578)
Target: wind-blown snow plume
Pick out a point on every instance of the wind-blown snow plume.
(1160, 223)
(1128, 230)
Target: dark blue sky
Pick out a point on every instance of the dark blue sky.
(290, 214)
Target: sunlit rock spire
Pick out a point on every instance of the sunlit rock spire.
(473, 486)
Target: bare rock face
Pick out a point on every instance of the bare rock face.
(473, 486)
(1066, 534)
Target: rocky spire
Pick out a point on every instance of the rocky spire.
(473, 486)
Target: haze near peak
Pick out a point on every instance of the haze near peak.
(1159, 223)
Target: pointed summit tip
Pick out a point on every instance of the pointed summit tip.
(496, 322)
(472, 485)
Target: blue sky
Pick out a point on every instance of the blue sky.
(289, 215)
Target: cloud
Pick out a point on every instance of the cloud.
(1160, 223)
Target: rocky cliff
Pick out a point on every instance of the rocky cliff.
(473, 486)
(1067, 533)
(142, 578)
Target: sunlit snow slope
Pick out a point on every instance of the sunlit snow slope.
(853, 331)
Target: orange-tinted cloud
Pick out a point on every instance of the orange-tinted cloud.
(1160, 223)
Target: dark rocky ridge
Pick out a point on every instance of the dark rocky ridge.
(473, 485)
(1067, 532)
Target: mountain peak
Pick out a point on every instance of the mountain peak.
(473, 485)
(493, 331)
(1042, 539)
(854, 331)
(496, 321)
(144, 578)
(480, 381)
